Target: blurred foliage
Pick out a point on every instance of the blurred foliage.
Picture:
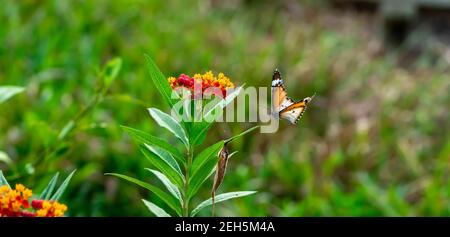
(375, 141)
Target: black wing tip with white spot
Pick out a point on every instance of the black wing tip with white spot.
(276, 79)
(276, 74)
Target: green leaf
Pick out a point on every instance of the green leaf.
(161, 83)
(166, 121)
(168, 199)
(66, 129)
(164, 162)
(6, 92)
(5, 158)
(111, 71)
(203, 166)
(241, 134)
(199, 131)
(3, 180)
(201, 176)
(62, 188)
(207, 154)
(173, 189)
(144, 137)
(159, 212)
(220, 198)
(50, 187)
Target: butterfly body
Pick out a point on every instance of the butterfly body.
(282, 105)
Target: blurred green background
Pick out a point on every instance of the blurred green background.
(374, 142)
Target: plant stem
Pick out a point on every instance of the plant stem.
(186, 181)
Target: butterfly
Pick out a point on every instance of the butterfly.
(282, 105)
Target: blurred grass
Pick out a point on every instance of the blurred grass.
(375, 141)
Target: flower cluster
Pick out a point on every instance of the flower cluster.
(14, 203)
(201, 84)
(46, 208)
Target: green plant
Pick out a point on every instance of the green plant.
(182, 173)
(58, 145)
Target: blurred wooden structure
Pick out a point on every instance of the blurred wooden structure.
(398, 15)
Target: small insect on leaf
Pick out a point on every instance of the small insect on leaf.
(220, 172)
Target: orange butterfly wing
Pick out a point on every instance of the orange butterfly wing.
(280, 100)
(283, 106)
(294, 112)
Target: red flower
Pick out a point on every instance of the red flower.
(199, 84)
(37, 203)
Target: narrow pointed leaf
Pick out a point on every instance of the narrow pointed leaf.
(220, 198)
(166, 156)
(204, 156)
(199, 131)
(201, 176)
(241, 134)
(172, 188)
(203, 167)
(46, 194)
(62, 188)
(168, 199)
(3, 180)
(146, 138)
(164, 162)
(66, 130)
(159, 212)
(161, 83)
(166, 121)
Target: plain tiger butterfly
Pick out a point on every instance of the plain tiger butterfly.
(282, 105)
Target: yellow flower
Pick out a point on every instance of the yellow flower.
(41, 213)
(27, 193)
(20, 187)
(208, 76)
(4, 189)
(197, 76)
(16, 206)
(59, 209)
(13, 194)
(46, 205)
(51, 209)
